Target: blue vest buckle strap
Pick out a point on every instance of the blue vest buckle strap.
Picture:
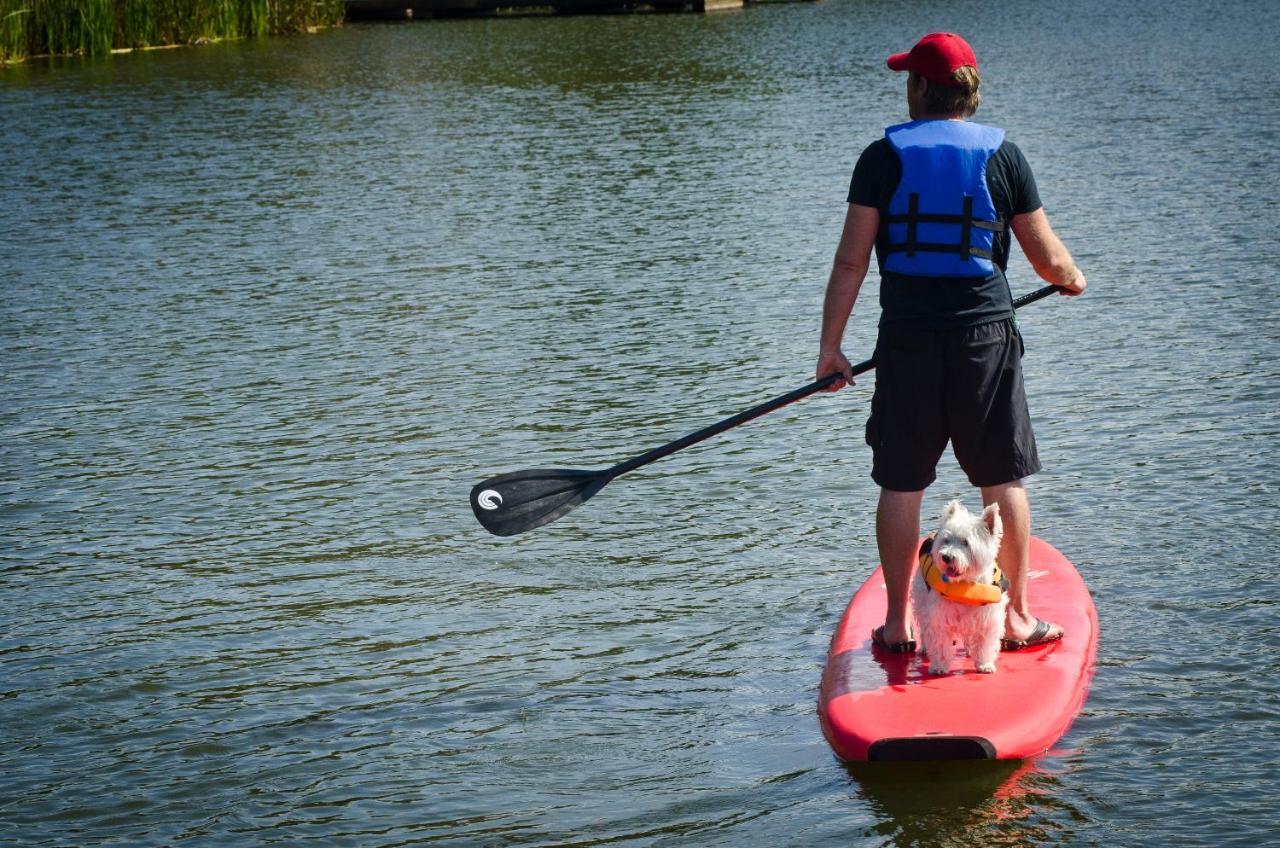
(942, 220)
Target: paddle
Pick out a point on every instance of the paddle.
(522, 500)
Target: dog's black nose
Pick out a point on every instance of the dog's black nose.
(948, 558)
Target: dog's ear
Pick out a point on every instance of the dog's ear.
(991, 517)
(950, 510)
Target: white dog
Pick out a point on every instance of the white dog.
(957, 591)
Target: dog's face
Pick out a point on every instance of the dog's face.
(966, 544)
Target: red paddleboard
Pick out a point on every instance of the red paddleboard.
(877, 705)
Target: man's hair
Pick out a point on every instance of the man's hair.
(944, 100)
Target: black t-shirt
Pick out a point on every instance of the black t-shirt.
(945, 301)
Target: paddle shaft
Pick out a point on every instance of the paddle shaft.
(768, 406)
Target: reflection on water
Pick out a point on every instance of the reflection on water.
(963, 803)
(268, 310)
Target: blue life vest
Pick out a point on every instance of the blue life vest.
(942, 221)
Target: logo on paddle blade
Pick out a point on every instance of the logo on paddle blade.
(489, 499)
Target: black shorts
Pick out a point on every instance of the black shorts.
(962, 385)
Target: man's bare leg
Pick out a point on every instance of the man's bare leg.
(898, 536)
(1015, 513)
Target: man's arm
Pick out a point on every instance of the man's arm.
(1046, 252)
(853, 256)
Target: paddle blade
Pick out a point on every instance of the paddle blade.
(513, 503)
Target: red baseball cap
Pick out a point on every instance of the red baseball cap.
(936, 57)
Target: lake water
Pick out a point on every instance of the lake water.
(269, 310)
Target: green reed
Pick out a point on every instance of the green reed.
(13, 28)
(96, 27)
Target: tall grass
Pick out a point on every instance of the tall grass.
(95, 27)
(13, 28)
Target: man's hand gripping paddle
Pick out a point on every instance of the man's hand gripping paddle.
(522, 500)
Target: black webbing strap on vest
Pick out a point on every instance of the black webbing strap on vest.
(913, 216)
(967, 222)
(966, 227)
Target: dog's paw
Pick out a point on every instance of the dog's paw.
(939, 670)
(987, 668)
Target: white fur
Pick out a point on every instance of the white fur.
(964, 549)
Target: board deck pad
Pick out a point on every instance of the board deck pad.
(877, 705)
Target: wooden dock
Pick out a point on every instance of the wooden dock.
(389, 10)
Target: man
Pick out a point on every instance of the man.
(937, 198)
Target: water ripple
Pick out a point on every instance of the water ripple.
(270, 309)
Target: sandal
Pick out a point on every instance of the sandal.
(1039, 636)
(877, 639)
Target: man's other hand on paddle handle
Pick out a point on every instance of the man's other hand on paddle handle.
(830, 362)
(1075, 285)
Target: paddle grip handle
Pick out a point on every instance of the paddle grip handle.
(1038, 294)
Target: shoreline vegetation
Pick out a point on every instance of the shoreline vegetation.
(31, 29)
(36, 28)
